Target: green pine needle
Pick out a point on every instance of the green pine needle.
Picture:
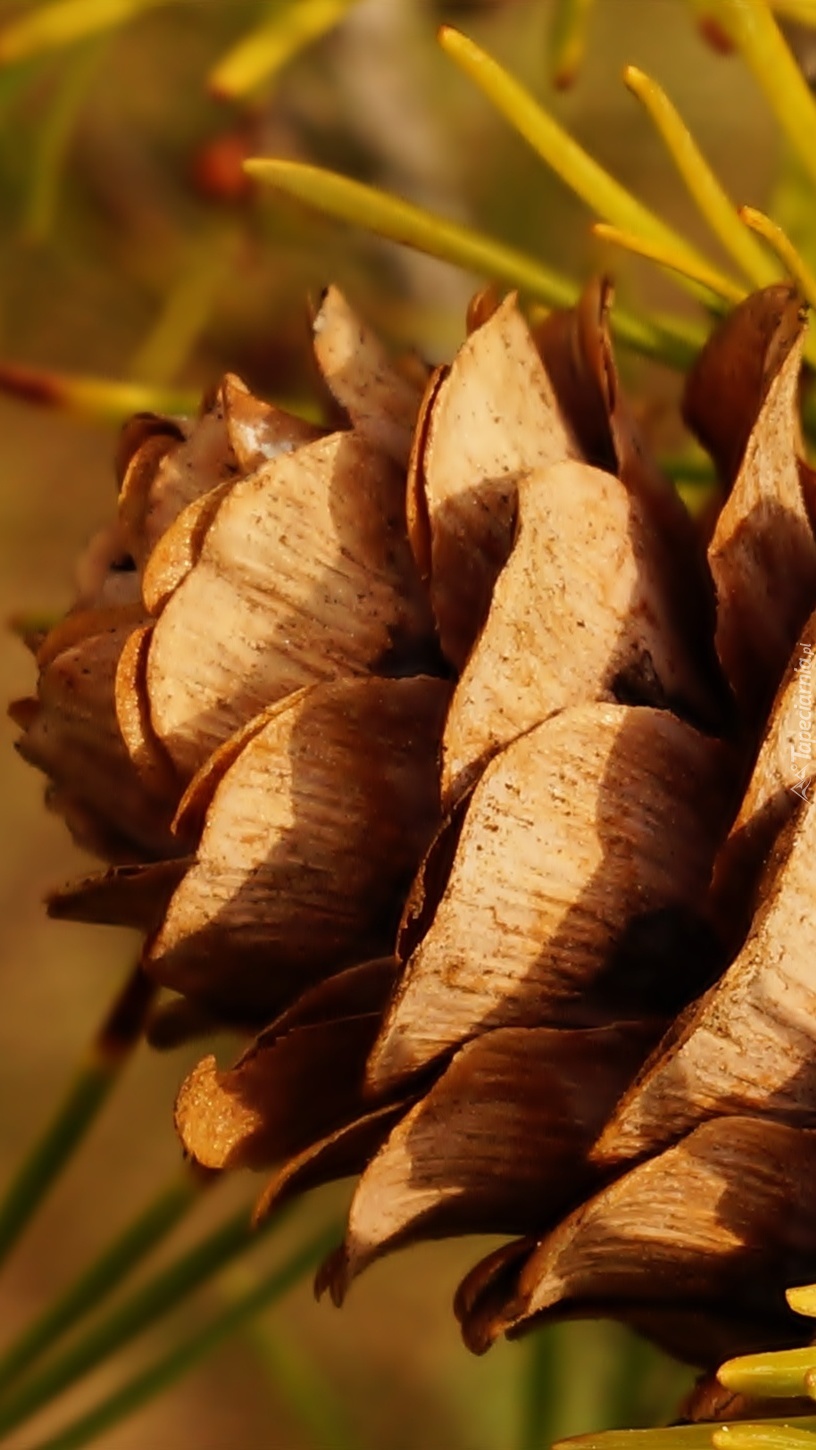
(163, 1372)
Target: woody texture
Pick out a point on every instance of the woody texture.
(442, 752)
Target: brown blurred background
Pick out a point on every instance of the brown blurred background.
(130, 249)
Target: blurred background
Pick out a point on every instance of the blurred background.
(131, 248)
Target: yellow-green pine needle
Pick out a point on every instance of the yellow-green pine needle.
(705, 189)
(655, 252)
(53, 26)
(568, 36)
(601, 192)
(803, 1299)
(751, 27)
(685, 1437)
(781, 1374)
(29, 624)
(692, 466)
(54, 139)
(259, 56)
(103, 400)
(793, 263)
(402, 221)
(788, 1435)
(187, 308)
(791, 260)
(695, 497)
(802, 11)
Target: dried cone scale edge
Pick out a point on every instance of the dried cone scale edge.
(467, 640)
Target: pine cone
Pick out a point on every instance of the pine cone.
(492, 810)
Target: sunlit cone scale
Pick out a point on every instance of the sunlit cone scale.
(436, 749)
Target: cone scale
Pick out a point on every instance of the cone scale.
(439, 754)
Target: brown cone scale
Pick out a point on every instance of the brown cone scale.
(429, 745)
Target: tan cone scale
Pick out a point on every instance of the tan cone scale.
(539, 897)
(433, 747)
